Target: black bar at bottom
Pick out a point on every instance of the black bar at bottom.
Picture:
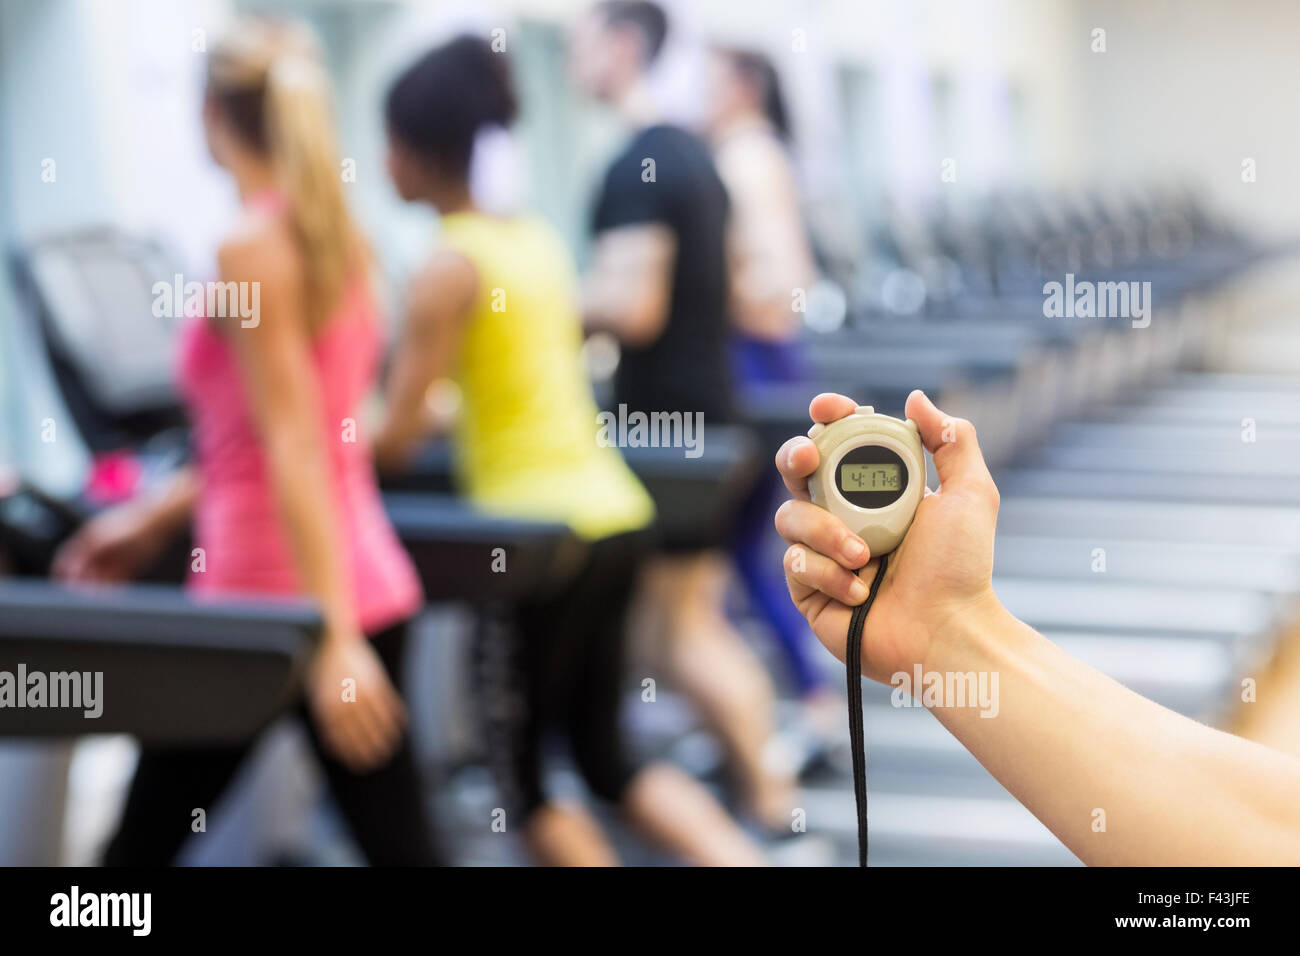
(877, 908)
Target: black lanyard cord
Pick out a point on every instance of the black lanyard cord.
(857, 741)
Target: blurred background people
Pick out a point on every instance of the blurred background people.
(772, 274)
(658, 282)
(283, 502)
(749, 128)
(496, 307)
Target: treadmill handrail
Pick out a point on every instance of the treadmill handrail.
(36, 608)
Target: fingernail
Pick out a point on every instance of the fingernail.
(858, 591)
(794, 447)
(854, 549)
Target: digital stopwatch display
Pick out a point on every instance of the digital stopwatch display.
(872, 476)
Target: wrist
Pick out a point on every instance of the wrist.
(163, 511)
(336, 634)
(971, 636)
(143, 521)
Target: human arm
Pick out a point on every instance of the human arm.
(628, 288)
(440, 304)
(274, 357)
(120, 542)
(1066, 740)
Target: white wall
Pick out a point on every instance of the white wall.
(1191, 88)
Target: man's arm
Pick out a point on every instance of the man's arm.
(628, 289)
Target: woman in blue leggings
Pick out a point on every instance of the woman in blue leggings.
(771, 259)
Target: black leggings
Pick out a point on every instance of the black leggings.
(384, 808)
(557, 664)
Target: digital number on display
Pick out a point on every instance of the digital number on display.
(878, 477)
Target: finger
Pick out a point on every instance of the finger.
(816, 571)
(369, 728)
(339, 741)
(389, 716)
(390, 709)
(386, 715)
(803, 523)
(343, 727)
(94, 574)
(69, 562)
(398, 707)
(376, 751)
(796, 460)
(367, 746)
(952, 442)
(827, 617)
(830, 407)
(106, 574)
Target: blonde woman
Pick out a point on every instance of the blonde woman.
(283, 499)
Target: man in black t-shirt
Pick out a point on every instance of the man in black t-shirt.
(658, 278)
(658, 281)
(685, 367)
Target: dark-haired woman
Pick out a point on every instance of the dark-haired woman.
(771, 263)
(282, 497)
(496, 309)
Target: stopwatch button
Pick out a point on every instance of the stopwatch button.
(864, 410)
(816, 430)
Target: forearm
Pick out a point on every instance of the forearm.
(298, 468)
(397, 436)
(596, 314)
(441, 305)
(627, 289)
(1072, 744)
(610, 306)
(168, 508)
(408, 418)
(772, 269)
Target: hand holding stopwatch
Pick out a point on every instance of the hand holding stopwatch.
(870, 475)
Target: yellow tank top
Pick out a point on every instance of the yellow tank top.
(526, 441)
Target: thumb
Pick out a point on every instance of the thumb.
(952, 443)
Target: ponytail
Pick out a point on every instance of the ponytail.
(272, 86)
(300, 128)
(759, 71)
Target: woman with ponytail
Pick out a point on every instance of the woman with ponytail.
(770, 258)
(496, 308)
(282, 493)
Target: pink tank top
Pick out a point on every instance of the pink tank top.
(237, 522)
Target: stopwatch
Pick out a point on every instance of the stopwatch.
(871, 475)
